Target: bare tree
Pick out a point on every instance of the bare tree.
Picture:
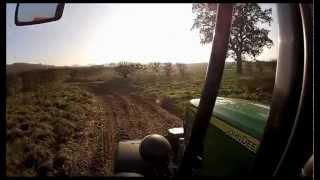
(124, 69)
(168, 69)
(181, 68)
(155, 67)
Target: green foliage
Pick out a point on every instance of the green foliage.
(246, 37)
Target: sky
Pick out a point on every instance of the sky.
(106, 33)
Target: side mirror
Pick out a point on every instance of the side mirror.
(37, 13)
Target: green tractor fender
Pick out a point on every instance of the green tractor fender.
(233, 135)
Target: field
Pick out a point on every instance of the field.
(67, 121)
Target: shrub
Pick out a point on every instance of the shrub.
(155, 67)
(124, 69)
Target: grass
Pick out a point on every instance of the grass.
(48, 119)
(174, 91)
(253, 84)
(42, 127)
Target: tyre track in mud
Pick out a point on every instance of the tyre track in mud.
(143, 118)
(128, 117)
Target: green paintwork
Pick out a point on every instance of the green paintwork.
(223, 155)
(248, 116)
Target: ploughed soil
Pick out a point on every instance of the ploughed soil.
(128, 115)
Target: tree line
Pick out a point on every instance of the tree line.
(125, 69)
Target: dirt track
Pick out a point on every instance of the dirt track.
(128, 116)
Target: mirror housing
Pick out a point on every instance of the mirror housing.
(50, 12)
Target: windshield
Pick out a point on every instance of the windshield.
(110, 72)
